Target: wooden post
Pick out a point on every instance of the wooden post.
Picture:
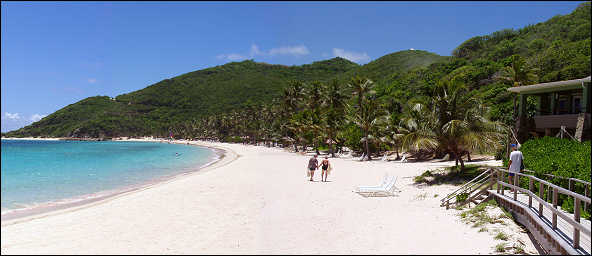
(541, 192)
(576, 235)
(447, 204)
(549, 194)
(491, 179)
(555, 206)
(516, 181)
(553, 103)
(587, 194)
(530, 185)
(499, 177)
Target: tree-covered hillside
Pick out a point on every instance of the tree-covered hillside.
(196, 94)
(557, 49)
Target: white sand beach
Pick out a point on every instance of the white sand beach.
(257, 200)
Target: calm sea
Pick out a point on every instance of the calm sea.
(45, 172)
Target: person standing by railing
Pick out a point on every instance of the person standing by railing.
(515, 164)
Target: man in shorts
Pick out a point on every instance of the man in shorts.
(313, 164)
(514, 163)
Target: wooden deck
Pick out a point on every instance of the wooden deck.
(564, 230)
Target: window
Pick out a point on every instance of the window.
(562, 106)
(577, 104)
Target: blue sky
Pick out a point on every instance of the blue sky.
(57, 53)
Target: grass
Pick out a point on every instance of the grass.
(519, 249)
(479, 217)
(436, 195)
(483, 229)
(501, 247)
(450, 175)
(421, 196)
(501, 236)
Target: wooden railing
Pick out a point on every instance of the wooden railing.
(468, 188)
(556, 190)
(571, 185)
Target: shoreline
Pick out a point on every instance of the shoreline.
(259, 201)
(40, 210)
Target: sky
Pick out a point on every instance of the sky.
(57, 53)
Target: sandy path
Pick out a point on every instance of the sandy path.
(260, 203)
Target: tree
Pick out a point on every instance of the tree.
(519, 74)
(366, 117)
(362, 113)
(334, 104)
(454, 122)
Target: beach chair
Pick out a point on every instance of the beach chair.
(404, 158)
(362, 157)
(387, 190)
(385, 180)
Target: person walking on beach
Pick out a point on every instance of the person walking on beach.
(313, 164)
(515, 164)
(325, 166)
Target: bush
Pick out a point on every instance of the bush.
(560, 157)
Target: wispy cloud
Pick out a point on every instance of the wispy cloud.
(13, 116)
(352, 56)
(231, 57)
(296, 51)
(92, 80)
(37, 117)
(255, 51)
(299, 50)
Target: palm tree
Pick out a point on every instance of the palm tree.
(367, 116)
(455, 123)
(362, 89)
(334, 103)
(519, 74)
(314, 100)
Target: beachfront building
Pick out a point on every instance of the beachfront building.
(559, 104)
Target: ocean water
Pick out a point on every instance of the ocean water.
(44, 172)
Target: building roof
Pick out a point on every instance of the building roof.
(551, 87)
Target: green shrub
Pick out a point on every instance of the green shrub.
(559, 157)
(462, 197)
(501, 247)
(501, 236)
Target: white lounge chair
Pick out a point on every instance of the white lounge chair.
(362, 158)
(404, 158)
(385, 181)
(387, 190)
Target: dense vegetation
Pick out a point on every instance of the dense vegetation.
(559, 157)
(249, 101)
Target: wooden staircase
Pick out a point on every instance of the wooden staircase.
(474, 191)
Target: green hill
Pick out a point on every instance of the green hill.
(557, 49)
(201, 93)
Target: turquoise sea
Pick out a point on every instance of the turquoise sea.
(53, 172)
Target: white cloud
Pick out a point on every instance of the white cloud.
(231, 57)
(92, 80)
(352, 56)
(37, 117)
(290, 50)
(412, 49)
(296, 51)
(13, 116)
(255, 50)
